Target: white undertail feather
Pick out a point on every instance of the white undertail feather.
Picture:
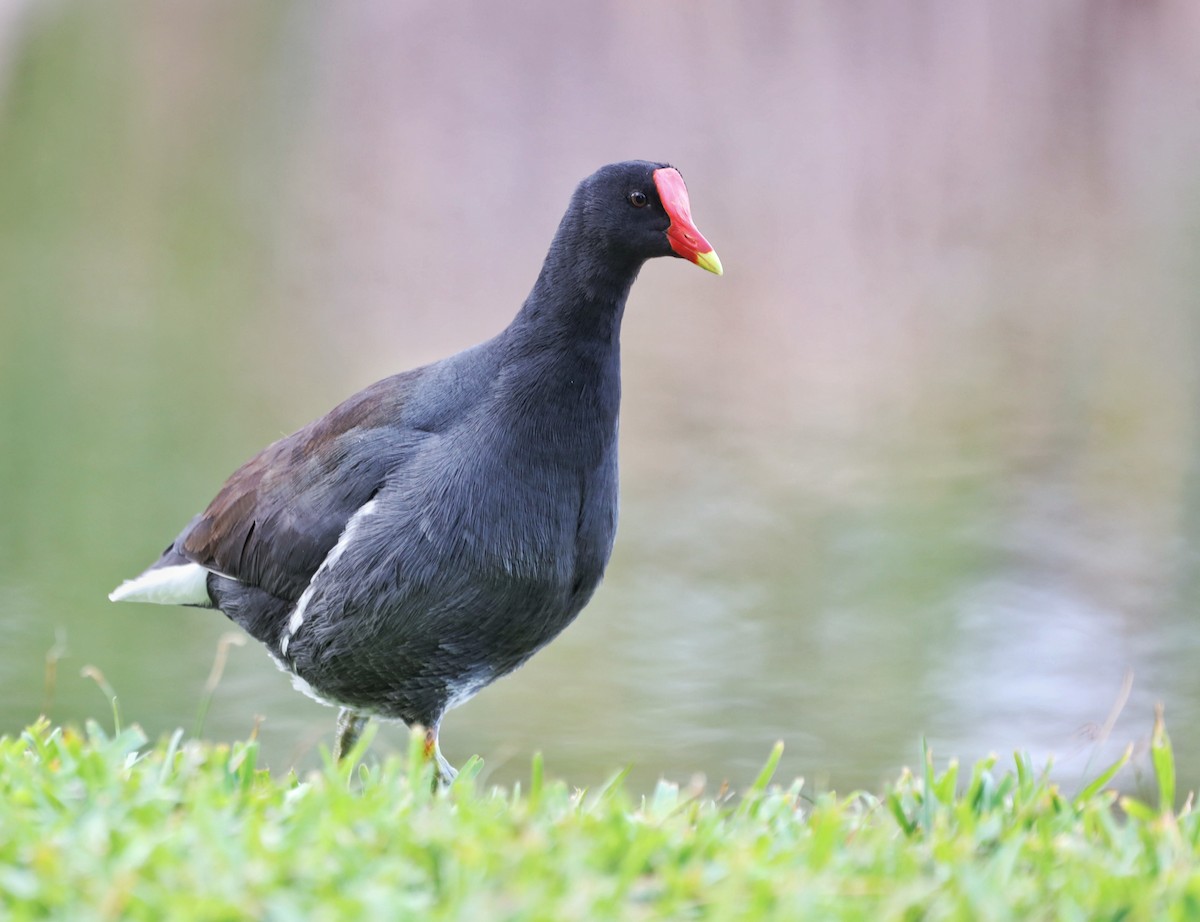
(331, 558)
(184, 584)
(466, 688)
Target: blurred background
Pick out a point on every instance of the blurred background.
(924, 463)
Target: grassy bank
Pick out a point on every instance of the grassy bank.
(99, 826)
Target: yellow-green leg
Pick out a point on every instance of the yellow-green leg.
(349, 727)
(445, 771)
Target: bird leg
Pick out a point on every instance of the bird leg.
(445, 771)
(349, 726)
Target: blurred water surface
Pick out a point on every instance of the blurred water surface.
(923, 463)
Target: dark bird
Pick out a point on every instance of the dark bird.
(435, 530)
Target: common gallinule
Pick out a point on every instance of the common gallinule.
(436, 529)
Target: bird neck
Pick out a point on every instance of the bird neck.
(579, 297)
(561, 371)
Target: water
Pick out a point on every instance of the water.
(922, 464)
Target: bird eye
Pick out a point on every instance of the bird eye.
(638, 199)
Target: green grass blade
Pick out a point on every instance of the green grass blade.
(927, 795)
(1162, 757)
(537, 770)
(1101, 781)
(768, 770)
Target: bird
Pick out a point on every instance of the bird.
(436, 529)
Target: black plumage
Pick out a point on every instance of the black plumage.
(436, 529)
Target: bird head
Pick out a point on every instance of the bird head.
(643, 209)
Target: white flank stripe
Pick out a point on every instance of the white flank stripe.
(185, 584)
(331, 558)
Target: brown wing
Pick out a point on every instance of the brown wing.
(275, 520)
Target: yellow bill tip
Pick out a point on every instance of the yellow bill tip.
(710, 261)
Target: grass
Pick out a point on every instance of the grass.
(96, 825)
